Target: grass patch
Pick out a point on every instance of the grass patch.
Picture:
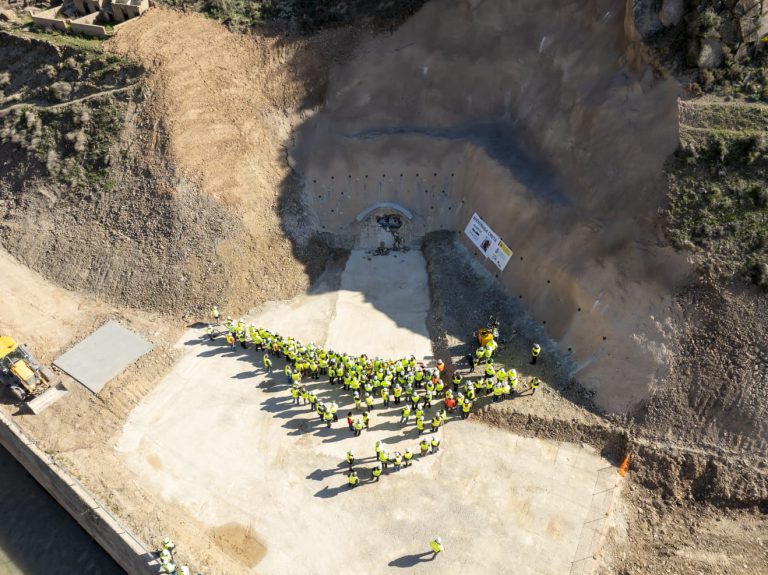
(718, 200)
(93, 46)
(73, 142)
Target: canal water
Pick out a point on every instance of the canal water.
(37, 537)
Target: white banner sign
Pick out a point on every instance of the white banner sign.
(488, 242)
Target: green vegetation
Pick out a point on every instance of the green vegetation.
(305, 15)
(73, 141)
(92, 46)
(718, 190)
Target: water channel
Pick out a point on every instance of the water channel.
(37, 537)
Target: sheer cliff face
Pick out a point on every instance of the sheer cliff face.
(542, 117)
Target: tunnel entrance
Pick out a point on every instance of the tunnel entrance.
(384, 226)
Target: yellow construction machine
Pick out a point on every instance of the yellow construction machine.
(25, 379)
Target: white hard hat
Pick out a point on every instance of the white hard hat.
(537, 346)
(351, 452)
(407, 449)
(438, 540)
(439, 361)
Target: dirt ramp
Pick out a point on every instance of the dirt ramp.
(545, 119)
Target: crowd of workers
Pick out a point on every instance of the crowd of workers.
(167, 561)
(374, 382)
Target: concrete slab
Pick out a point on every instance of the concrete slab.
(103, 355)
(223, 439)
(382, 306)
(377, 306)
(249, 445)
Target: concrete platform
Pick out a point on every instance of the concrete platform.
(103, 355)
(377, 306)
(222, 439)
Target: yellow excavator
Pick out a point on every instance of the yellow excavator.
(25, 379)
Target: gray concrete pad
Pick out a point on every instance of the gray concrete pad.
(103, 355)
(380, 308)
(241, 452)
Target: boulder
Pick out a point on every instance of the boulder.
(710, 53)
(671, 12)
(645, 16)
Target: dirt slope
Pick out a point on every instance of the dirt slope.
(173, 202)
(546, 120)
(228, 103)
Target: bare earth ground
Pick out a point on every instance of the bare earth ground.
(225, 106)
(686, 509)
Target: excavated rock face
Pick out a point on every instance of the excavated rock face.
(545, 120)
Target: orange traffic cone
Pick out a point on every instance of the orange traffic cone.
(624, 467)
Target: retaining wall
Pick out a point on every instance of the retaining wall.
(130, 553)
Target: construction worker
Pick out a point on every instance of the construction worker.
(215, 314)
(328, 417)
(367, 420)
(437, 546)
(312, 400)
(241, 338)
(467, 405)
(498, 391)
(376, 472)
(385, 395)
(397, 391)
(230, 341)
(420, 425)
(169, 545)
(384, 458)
(535, 351)
(352, 479)
(435, 444)
(210, 333)
(490, 372)
(350, 422)
(169, 567)
(512, 379)
(166, 556)
(440, 366)
(304, 393)
(369, 401)
(350, 459)
(264, 360)
(424, 446)
(436, 423)
(535, 382)
(358, 425)
(356, 399)
(408, 457)
(398, 460)
(405, 414)
(295, 395)
(479, 356)
(415, 399)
